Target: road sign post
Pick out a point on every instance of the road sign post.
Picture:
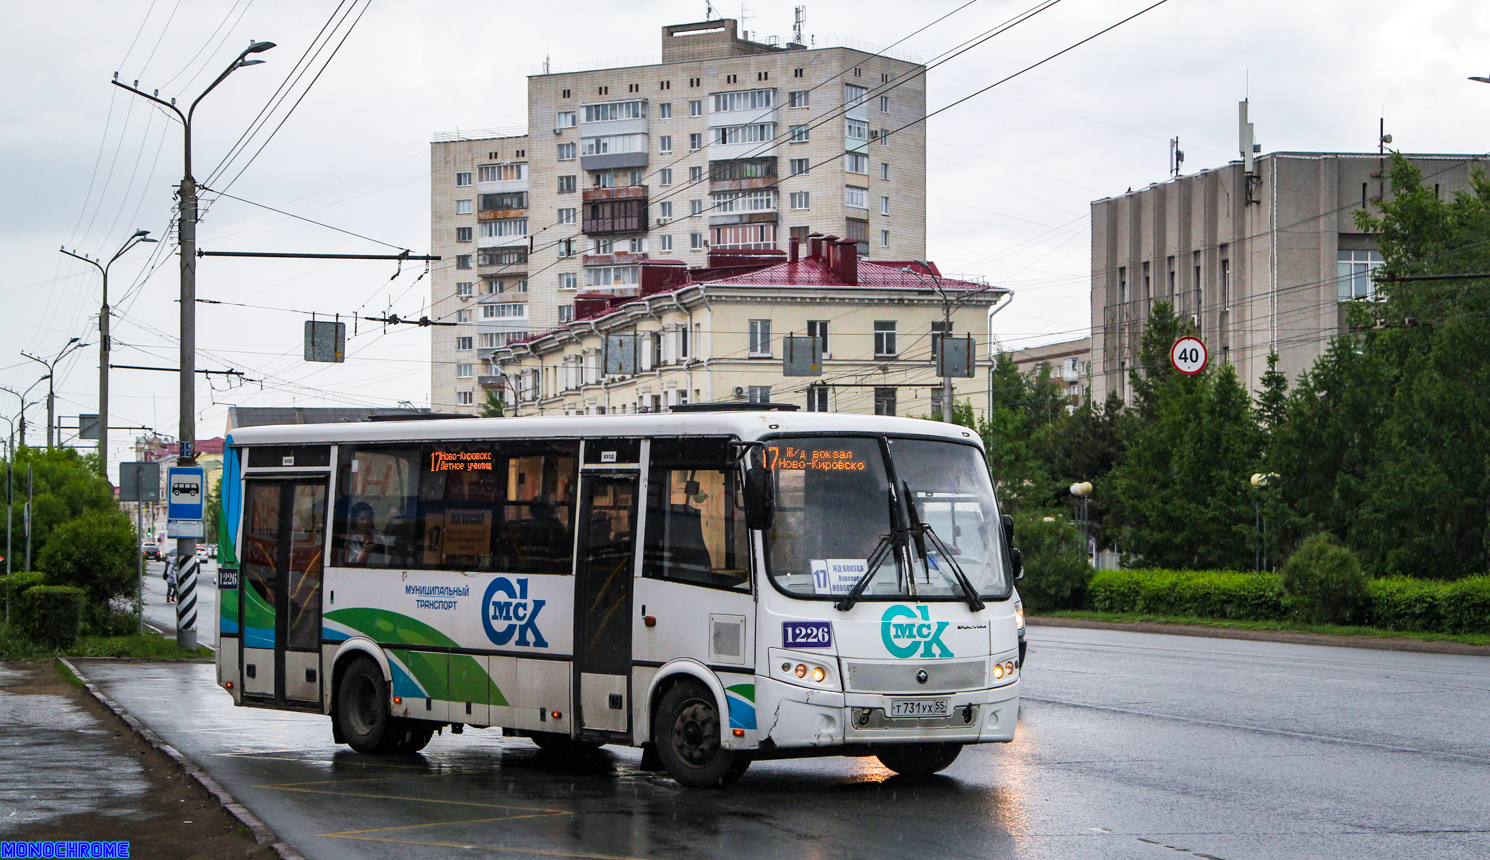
(139, 483)
(1188, 355)
(185, 505)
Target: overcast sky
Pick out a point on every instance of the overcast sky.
(1011, 172)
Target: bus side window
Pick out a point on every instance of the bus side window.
(377, 507)
(536, 534)
(695, 527)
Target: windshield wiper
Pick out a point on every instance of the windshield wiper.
(888, 543)
(920, 531)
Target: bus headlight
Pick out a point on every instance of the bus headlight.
(818, 674)
(998, 671)
(801, 670)
(1019, 616)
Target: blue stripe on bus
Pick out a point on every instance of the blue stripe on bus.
(403, 684)
(258, 637)
(741, 712)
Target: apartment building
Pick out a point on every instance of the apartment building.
(720, 334)
(1258, 260)
(727, 144)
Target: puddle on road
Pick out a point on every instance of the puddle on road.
(56, 759)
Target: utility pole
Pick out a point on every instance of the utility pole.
(51, 379)
(30, 490)
(104, 344)
(186, 547)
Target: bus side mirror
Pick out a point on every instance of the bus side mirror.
(1008, 523)
(760, 502)
(1016, 562)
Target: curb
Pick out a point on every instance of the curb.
(1422, 646)
(262, 834)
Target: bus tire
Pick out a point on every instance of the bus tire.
(687, 734)
(558, 744)
(918, 759)
(403, 737)
(362, 707)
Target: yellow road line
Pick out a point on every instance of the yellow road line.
(538, 851)
(347, 834)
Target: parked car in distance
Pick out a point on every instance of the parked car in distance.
(150, 551)
(202, 551)
(212, 551)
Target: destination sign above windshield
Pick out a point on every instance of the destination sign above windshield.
(822, 460)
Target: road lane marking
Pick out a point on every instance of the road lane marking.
(537, 851)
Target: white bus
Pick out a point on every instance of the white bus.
(714, 587)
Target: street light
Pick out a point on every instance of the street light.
(104, 345)
(1259, 481)
(21, 416)
(51, 379)
(1082, 491)
(1480, 78)
(186, 547)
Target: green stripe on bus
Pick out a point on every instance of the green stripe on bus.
(256, 613)
(382, 625)
(744, 691)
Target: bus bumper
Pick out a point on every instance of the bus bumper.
(792, 717)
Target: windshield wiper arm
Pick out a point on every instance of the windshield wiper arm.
(921, 530)
(882, 550)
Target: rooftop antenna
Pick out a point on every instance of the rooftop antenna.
(800, 21)
(1247, 142)
(710, 13)
(1176, 157)
(745, 17)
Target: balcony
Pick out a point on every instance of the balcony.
(603, 216)
(491, 381)
(619, 258)
(620, 192)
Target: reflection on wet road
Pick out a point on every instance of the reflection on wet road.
(1131, 745)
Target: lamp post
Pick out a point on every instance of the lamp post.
(104, 344)
(1259, 481)
(20, 422)
(51, 379)
(1082, 492)
(186, 547)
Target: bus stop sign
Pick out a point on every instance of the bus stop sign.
(187, 493)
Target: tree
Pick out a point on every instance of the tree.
(494, 407)
(94, 552)
(66, 485)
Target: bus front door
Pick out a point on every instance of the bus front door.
(284, 539)
(602, 604)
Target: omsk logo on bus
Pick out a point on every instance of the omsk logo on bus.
(917, 633)
(508, 612)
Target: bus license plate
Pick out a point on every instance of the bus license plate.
(918, 707)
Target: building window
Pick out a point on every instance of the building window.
(463, 261)
(760, 338)
(799, 166)
(695, 141)
(884, 401)
(505, 200)
(744, 100)
(800, 233)
(695, 241)
(817, 398)
(800, 134)
(855, 162)
(939, 328)
(855, 129)
(759, 394)
(884, 339)
(760, 237)
(613, 144)
(856, 197)
(463, 398)
(490, 340)
(695, 207)
(797, 98)
(463, 315)
(664, 243)
(612, 276)
(568, 281)
(462, 234)
(463, 178)
(502, 172)
(884, 171)
(507, 310)
(566, 118)
(568, 216)
(565, 94)
(857, 231)
(801, 200)
(884, 206)
(744, 201)
(853, 94)
(665, 176)
(884, 137)
(568, 151)
(884, 104)
(695, 174)
(665, 209)
(1355, 269)
(665, 143)
(610, 111)
(463, 207)
(665, 109)
(819, 330)
(465, 288)
(504, 227)
(464, 342)
(884, 238)
(567, 184)
(464, 371)
(796, 73)
(566, 313)
(696, 107)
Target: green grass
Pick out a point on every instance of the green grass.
(67, 674)
(1281, 626)
(147, 647)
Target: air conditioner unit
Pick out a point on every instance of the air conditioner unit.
(739, 391)
(663, 221)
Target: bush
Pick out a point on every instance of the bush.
(1326, 582)
(51, 615)
(1403, 603)
(95, 552)
(1201, 593)
(13, 586)
(1057, 574)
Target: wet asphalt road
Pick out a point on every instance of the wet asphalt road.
(1130, 745)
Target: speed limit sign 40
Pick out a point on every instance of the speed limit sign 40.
(1188, 355)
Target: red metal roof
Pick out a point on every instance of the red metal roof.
(810, 272)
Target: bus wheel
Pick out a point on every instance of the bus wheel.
(686, 734)
(918, 759)
(558, 744)
(362, 707)
(406, 736)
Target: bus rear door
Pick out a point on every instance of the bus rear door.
(280, 600)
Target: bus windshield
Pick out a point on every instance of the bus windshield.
(840, 501)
